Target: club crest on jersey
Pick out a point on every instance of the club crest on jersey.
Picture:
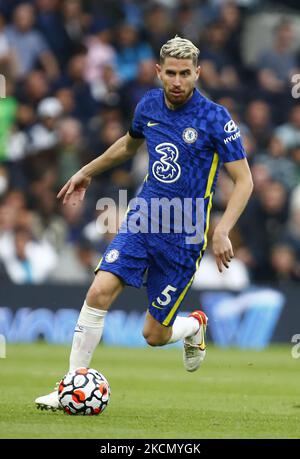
(112, 256)
(167, 169)
(190, 135)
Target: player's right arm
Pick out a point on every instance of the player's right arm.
(122, 150)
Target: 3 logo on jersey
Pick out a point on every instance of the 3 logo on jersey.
(167, 169)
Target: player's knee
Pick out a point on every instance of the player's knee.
(99, 296)
(154, 339)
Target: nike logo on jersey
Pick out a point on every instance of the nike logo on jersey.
(150, 124)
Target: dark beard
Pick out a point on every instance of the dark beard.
(179, 103)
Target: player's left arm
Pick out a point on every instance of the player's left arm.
(240, 173)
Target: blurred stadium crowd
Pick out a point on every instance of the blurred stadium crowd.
(75, 71)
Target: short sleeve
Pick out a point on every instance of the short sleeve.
(136, 128)
(226, 137)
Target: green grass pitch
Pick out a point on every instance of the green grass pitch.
(235, 394)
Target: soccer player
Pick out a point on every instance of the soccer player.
(188, 137)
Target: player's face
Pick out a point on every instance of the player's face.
(179, 77)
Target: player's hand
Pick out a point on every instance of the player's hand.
(222, 249)
(75, 188)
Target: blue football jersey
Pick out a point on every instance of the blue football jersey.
(186, 147)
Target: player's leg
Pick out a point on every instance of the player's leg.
(157, 334)
(88, 331)
(170, 275)
(124, 262)
(194, 348)
(191, 330)
(126, 259)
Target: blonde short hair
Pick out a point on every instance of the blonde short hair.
(180, 48)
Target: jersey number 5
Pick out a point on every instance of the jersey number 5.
(166, 293)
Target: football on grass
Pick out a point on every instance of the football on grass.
(84, 391)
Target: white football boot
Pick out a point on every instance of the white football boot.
(194, 347)
(49, 402)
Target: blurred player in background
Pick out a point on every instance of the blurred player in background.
(188, 138)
